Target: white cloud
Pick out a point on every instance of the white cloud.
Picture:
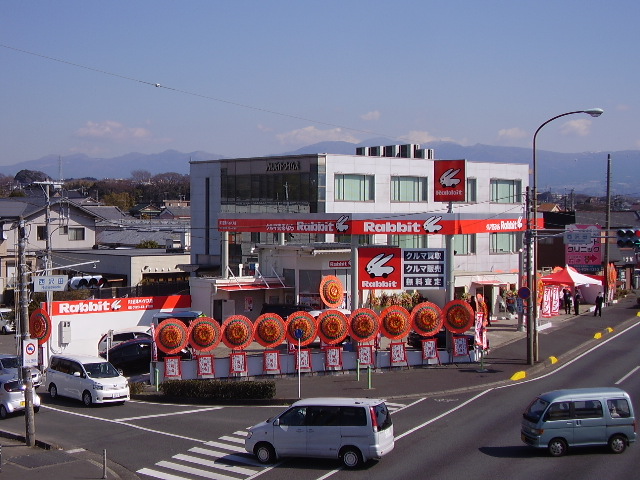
(417, 136)
(511, 133)
(578, 127)
(623, 107)
(311, 135)
(374, 115)
(264, 128)
(113, 131)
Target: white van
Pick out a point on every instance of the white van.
(579, 417)
(353, 430)
(86, 378)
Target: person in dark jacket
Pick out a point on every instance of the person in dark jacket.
(599, 302)
(577, 299)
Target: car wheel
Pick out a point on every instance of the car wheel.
(265, 453)
(558, 447)
(53, 390)
(3, 412)
(86, 399)
(351, 457)
(618, 443)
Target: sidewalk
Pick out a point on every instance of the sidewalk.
(53, 460)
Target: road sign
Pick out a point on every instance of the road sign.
(30, 353)
(524, 292)
(50, 283)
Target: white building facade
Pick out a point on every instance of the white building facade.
(357, 184)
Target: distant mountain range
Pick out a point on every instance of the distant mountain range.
(558, 172)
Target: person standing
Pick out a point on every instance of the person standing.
(576, 302)
(599, 302)
(566, 300)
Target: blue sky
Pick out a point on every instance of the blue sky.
(247, 78)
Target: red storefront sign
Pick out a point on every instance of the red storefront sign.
(380, 268)
(450, 180)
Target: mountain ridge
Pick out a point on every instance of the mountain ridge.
(583, 172)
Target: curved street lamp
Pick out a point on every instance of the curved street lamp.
(532, 246)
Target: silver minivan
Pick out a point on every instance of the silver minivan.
(353, 430)
(561, 419)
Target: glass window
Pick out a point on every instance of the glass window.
(408, 241)
(464, 244)
(559, 411)
(587, 409)
(353, 417)
(618, 408)
(502, 242)
(76, 233)
(324, 416)
(472, 190)
(294, 417)
(362, 239)
(354, 188)
(506, 191)
(409, 189)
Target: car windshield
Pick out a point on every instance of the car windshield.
(10, 362)
(535, 410)
(100, 370)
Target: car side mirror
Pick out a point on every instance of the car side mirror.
(276, 422)
(76, 374)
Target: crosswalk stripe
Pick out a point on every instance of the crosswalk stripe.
(195, 471)
(226, 438)
(214, 464)
(156, 474)
(227, 457)
(242, 433)
(225, 446)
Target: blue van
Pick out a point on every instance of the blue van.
(561, 419)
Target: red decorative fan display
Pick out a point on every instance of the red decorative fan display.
(237, 332)
(458, 316)
(269, 330)
(305, 322)
(171, 335)
(204, 334)
(40, 326)
(427, 319)
(331, 291)
(333, 326)
(363, 325)
(394, 322)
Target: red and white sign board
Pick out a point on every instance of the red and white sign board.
(366, 224)
(380, 267)
(112, 305)
(450, 180)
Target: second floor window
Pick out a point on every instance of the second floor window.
(464, 244)
(42, 232)
(76, 233)
(502, 242)
(506, 191)
(408, 241)
(354, 188)
(409, 189)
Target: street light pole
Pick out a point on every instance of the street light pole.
(532, 246)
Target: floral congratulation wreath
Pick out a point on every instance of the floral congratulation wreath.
(394, 322)
(305, 322)
(237, 332)
(427, 319)
(204, 334)
(364, 324)
(269, 330)
(331, 291)
(171, 335)
(333, 326)
(40, 326)
(458, 316)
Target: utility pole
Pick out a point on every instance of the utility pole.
(607, 229)
(29, 416)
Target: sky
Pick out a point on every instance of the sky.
(250, 78)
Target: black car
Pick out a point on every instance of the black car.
(134, 356)
(415, 339)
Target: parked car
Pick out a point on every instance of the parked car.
(86, 378)
(123, 335)
(7, 325)
(415, 339)
(10, 366)
(12, 396)
(134, 356)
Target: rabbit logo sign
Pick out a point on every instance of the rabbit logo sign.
(380, 268)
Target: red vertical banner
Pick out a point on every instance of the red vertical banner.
(450, 180)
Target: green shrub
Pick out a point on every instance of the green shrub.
(136, 388)
(219, 389)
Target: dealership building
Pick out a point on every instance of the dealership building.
(267, 229)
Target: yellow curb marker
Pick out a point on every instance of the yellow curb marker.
(609, 330)
(519, 375)
(553, 360)
(598, 336)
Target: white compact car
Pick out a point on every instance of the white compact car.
(353, 430)
(12, 396)
(10, 365)
(86, 378)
